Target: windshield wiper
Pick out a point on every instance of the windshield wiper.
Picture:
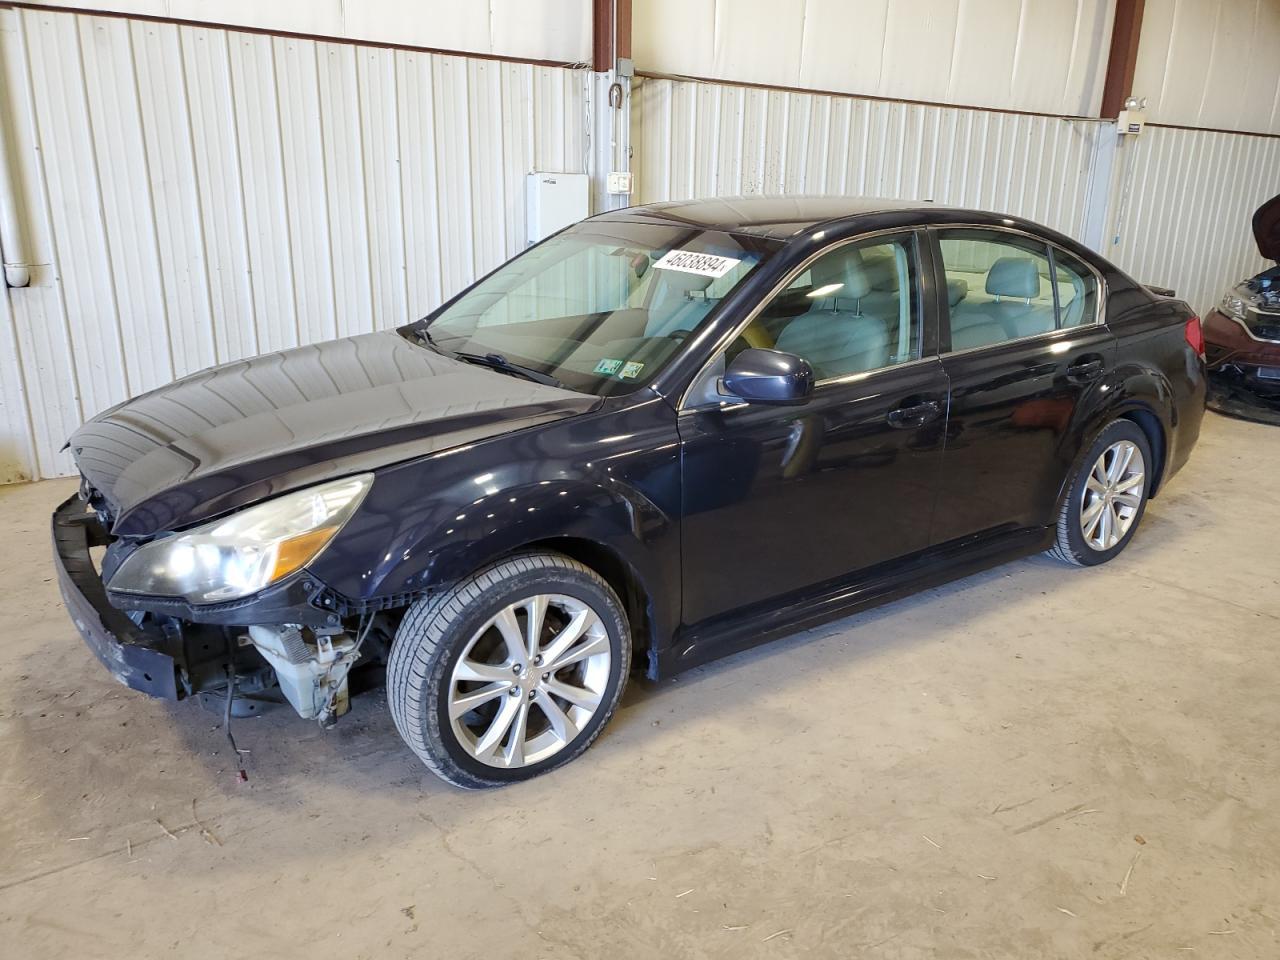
(423, 334)
(496, 361)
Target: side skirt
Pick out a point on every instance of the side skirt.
(880, 585)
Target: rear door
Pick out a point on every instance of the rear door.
(778, 500)
(1024, 346)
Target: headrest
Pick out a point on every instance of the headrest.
(957, 290)
(881, 269)
(1014, 277)
(843, 268)
(678, 280)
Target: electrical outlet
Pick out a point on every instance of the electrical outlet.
(620, 182)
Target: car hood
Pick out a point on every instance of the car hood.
(233, 434)
(1266, 229)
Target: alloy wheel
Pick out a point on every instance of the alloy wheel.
(1112, 495)
(529, 680)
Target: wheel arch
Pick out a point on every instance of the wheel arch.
(1138, 400)
(1157, 439)
(627, 583)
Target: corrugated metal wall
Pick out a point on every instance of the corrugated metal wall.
(198, 195)
(706, 139)
(1179, 201)
(1182, 206)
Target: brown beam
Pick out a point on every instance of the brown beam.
(602, 35)
(1122, 61)
(610, 39)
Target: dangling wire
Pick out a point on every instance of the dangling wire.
(242, 774)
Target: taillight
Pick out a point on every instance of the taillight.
(1195, 336)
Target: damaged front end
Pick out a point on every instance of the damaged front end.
(293, 642)
(1242, 345)
(311, 666)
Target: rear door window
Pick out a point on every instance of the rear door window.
(1077, 290)
(1006, 286)
(998, 287)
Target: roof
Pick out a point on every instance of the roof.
(778, 217)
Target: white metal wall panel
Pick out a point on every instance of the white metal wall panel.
(194, 195)
(558, 30)
(219, 182)
(1044, 56)
(40, 336)
(1177, 212)
(119, 152)
(179, 244)
(16, 448)
(77, 227)
(302, 141)
(702, 139)
(1183, 207)
(349, 235)
(1211, 65)
(377, 92)
(262, 180)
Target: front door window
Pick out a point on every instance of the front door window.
(854, 309)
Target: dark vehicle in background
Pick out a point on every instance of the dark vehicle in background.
(663, 435)
(1242, 334)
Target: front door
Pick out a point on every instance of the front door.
(1022, 352)
(778, 500)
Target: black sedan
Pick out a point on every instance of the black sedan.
(663, 435)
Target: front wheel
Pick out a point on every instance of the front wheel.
(510, 673)
(1106, 498)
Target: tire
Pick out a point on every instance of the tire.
(452, 651)
(1124, 508)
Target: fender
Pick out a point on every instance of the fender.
(427, 524)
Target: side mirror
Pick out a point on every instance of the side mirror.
(769, 376)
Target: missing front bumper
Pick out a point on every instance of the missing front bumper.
(143, 659)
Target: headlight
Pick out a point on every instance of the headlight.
(1234, 305)
(246, 551)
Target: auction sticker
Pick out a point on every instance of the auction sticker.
(703, 264)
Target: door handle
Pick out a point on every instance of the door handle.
(1084, 371)
(913, 415)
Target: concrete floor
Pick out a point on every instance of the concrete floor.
(1038, 761)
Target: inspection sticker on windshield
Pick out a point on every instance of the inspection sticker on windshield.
(703, 264)
(631, 370)
(607, 366)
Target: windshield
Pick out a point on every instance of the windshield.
(601, 307)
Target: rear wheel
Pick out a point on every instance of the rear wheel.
(1106, 498)
(510, 673)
